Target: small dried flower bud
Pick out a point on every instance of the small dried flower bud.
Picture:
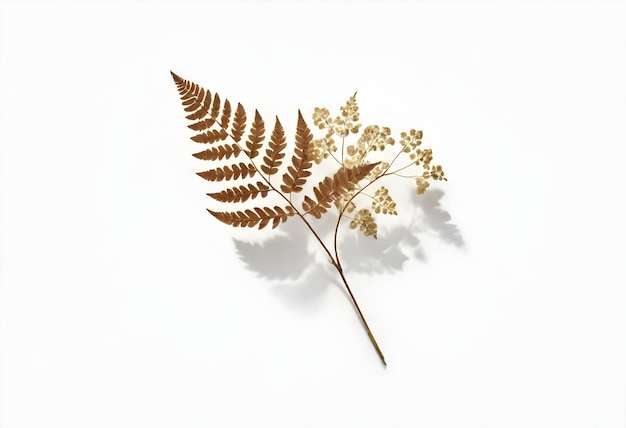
(436, 172)
(422, 185)
(365, 222)
(320, 116)
(382, 202)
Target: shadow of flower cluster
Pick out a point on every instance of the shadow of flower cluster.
(299, 279)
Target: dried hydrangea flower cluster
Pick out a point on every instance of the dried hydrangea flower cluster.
(322, 148)
(341, 126)
(374, 138)
(422, 185)
(365, 222)
(382, 202)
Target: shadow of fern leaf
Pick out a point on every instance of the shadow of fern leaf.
(383, 255)
(303, 280)
(307, 292)
(437, 219)
(395, 246)
(278, 258)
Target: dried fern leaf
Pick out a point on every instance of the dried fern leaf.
(212, 119)
(256, 136)
(331, 189)
(239, 123)
(194, 98)
(225, 119)
(188, 101)
(215, 107)
(219, 152)
(241, 193)
(257, 217)
(302, 161)
(232, 172)
(202, 107)
(211, 136)
(274, 154)
(202, 125)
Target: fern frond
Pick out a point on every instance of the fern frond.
(202, 125)
(210, 136)
(215, 107)
(232, 172)
(274, 153)
(241, 193)
(218, 153)
(257, 216)
(195, 98)
(212, 119)
(331, 189)
(202, 109)
(256, 136)
(302, 161)
(225, 119)
(239, 123)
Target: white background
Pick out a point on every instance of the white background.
(123, 303)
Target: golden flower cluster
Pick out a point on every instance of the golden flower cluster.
(422, 185)
(412, 139)
(365, 222)
(422, 156)
(323, 147)
(410, 144)
(341, 125)
(436, 173)
(373, 138)
(382, 202)
(320, 117)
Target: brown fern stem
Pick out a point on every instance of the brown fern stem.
(337, 264)
(361, 316)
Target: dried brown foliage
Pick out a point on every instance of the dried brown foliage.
(239, 151)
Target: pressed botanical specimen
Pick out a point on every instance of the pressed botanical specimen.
(253, 163)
